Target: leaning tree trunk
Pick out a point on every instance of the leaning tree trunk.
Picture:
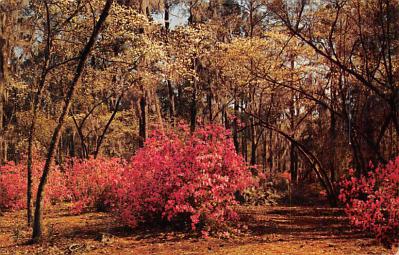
(32, 128)
(37, 224)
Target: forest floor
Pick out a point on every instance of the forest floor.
(271, 230)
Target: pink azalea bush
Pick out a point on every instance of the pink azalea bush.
(13, 185)
(85, 183)
(183, 178)
(372, 201)
(88, 183)
(178, 178)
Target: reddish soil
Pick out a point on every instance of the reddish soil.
(271, 230)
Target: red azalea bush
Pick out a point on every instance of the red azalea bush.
(372, 201)
(183, 178)
(13, 185)
(85, 183)
(89, 182)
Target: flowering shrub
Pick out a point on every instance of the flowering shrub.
(183, 178)
(13, 185)
(372, 201)
(188, 179)
(88, 182)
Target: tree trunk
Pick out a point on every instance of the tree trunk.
(253, 142)
(333, 136)
(3, 67)
(193, 115)
(6, 32)
(157, 106)
(179, 101)
(264, 152)
(142, 120)
(166, 17)
(271, 150)
(244, 137)
(209, 101)
(244, 144)
(72, 152)
(38, 225)
(235, 126)
(293, 164)
(171, 95)
(35, 108)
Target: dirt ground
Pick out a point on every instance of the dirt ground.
(271, 230)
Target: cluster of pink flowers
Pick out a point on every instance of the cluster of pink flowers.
(13, 185)
(89, 183)
(372, 201)
(178, 177)
(85, 183)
